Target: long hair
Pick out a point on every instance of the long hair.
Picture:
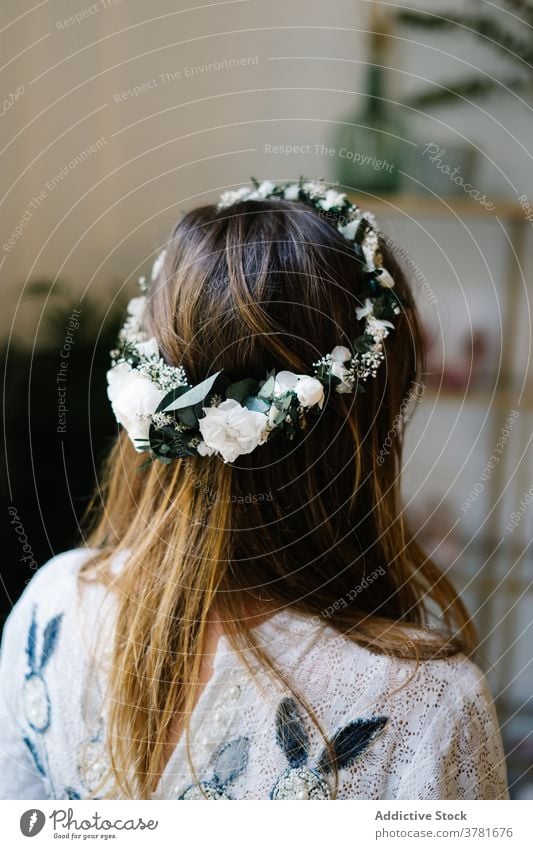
(262, 285)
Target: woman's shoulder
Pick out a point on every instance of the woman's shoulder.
(347, 672)
(47, 614)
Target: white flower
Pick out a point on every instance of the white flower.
(385, 279)
(133, 326)
(262, 191)
(158, 264)
(134, 398)
(204, 450)
(136, 307)
(232, 196)
(314, 188)
(349, 230)
(342, 373)
(332, 198)
(149, 348)
(232, 430)
(378, 328)
(284, 381)
(362, 312)
(309, 391)
(341, 354)
(369, 257)
(291, 192)
(271, 415)
(266, 187)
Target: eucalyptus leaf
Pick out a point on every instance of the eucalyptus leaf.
(171, 396)
(193, 396)
(267, 387)
(280, 417)
(188, 417)
(258, 405)
(239, 390)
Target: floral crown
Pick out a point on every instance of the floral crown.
(167, 417)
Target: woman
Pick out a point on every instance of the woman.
(250, 617)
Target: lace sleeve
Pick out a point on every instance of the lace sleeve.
(460, 756)
(21, 772)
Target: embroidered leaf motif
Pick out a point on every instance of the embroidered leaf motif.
(290, 732)
(51, 633)
(35, 756)
(351, 741)
(32, 641)
(231, 760)
(71, 793)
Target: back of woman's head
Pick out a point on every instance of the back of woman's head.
(272, 285)
(314, 522)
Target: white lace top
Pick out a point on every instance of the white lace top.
(434, 737)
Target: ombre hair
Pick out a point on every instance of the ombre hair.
(262, 285)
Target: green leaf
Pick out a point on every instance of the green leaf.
(172, 396)
(188, 417)
(239, 390)
(280, 417)
(363, 344)
(193, 396)
(267, 387)
(251, 402)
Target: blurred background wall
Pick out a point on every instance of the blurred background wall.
(118, 115)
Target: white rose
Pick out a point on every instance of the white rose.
(340, 354)
(149, 349)
(132, 397)
(342, 373)
(232, 429)
(136, 306)
(284, 381)
(310, 391)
